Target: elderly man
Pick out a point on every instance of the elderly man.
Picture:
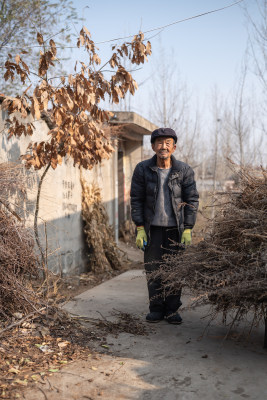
(164, 202)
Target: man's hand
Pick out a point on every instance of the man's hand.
(187, 237)
(141, 238)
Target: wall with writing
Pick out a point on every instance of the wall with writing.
(60, 221)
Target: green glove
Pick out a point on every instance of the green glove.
(187, 237)
(141, 238)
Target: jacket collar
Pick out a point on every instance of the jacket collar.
(153, 163)
(177, 165)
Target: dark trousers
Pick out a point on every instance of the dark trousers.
(160, 243)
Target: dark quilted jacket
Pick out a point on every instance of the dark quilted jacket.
(144, 190)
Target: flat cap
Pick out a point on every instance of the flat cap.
(163, 132)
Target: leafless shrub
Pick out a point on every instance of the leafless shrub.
(228, 268)
(17, 258)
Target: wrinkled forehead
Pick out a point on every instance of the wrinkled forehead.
(165, 139)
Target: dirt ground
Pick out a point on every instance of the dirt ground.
(107, 351)
(37, 348)
(130, 359)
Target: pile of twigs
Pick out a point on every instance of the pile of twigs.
(228, 269)
(103, 251)
(17, 258)
(127, 232)
(11, 183)
(125, 323)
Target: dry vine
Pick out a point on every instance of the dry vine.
(103, 251)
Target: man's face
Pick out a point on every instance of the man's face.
(164, 147)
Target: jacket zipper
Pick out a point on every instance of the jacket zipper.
(156, 192)
(173, 204)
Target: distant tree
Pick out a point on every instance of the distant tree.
(19, 22)
(258, 56)
(242, 134)
(170, 106)
(258, 40)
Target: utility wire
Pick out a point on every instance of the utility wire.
(175, 22)
(150, 30)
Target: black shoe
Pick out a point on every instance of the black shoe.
(155, 316)
(174, 318)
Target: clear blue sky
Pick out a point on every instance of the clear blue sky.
(208, 51)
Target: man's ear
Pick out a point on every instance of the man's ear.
(153, 146)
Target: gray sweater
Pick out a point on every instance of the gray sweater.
(164, 214)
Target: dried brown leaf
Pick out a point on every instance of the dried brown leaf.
(17, 59)
(40, 38)
(86, 31)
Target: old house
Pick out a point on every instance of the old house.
(60, 202)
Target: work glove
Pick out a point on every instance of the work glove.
(187, 237)
(141, 238)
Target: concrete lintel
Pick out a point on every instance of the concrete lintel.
(136, 123)
(129, 133)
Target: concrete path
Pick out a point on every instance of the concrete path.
(132, 252)
(172, 362)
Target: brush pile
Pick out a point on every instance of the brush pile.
(127, 232)
(229, 267)
(18, 261)
(103, 251)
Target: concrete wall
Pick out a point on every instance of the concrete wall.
(60, 203)
(133, 155)
(105, 176)
(60, 223)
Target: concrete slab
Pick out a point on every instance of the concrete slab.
(126, 293)
(173, 362)
(132, 252)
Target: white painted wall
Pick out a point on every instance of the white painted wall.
(60, 204)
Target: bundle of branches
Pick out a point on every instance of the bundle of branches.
(11, 182)
(17, 258)
(104, 253)
(228, 268)
(127, 231)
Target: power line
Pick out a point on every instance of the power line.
(150, 30)
(175, 22)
